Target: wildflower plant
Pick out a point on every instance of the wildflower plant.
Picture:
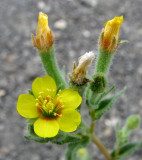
(53, 106)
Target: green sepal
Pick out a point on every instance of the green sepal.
(126, 150)
(123, 41)
(30, 92)
(83, 129)
(106, 104)
(31, 120)
(71, 153)
(60, 139)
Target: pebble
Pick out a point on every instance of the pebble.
(2, 92)
(60, 24)
(86, 33)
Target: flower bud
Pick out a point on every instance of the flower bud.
(44, 37)
(79, 72)
(133, 122)
(99, 84)
(109, 37)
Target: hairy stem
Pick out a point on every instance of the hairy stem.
(51, 67)
(103, 62)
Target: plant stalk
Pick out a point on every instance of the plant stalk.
(51, 67)
(103, 62)
(98, 143)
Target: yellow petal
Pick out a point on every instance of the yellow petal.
(70, 120)
(42, 28)
(70, 98)
(112, 28)
(45, 84)
(46, 128)
(26, 106)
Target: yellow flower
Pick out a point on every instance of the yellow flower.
(53, 111)
(44, 37)
(110, 34)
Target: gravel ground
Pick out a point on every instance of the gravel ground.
(76, 26)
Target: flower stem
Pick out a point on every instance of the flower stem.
(98, 143)
(51, 67)
(103, 62)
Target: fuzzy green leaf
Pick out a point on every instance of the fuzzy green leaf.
(122, 136)
(104, 94)
(71, 153)
(127, 150)
(60, 139)
(106, 104)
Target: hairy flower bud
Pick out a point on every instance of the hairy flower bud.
(110, 34)
(133, 122)
(99, 84)
(44, 37)
(79, 72)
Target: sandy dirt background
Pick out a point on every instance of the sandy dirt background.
(76, 26)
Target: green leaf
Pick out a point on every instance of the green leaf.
(60, 139)
(106, 104)
(104, 94)
(71, 153)
(122, 136)
(127, 150)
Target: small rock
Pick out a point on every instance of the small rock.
(86, 33)
(92, 3)
(4, 150)
(41, 4)
(107, 132)
(111, 122)
(60, 24)
(2, 92)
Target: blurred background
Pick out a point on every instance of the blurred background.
(76, 25)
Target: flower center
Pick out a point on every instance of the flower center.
(48, 106)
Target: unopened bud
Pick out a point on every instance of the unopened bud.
(79, 72)
(99, 84)
(133, 122)
(110, 34)
(44, 37)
